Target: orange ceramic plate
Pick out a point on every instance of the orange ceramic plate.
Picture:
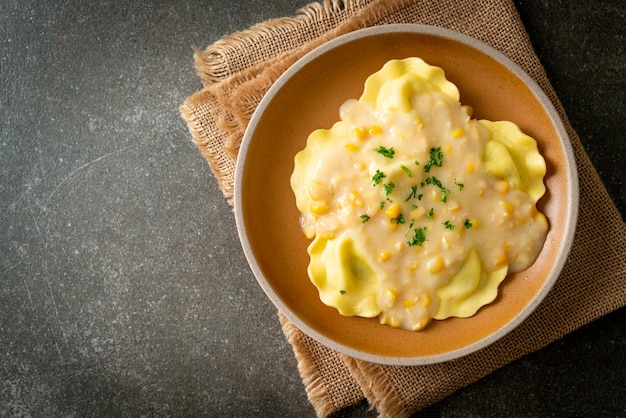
(307, 97)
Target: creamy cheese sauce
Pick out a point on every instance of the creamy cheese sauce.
(416, 210)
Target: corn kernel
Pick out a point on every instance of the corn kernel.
(469, 167)
(508, 208)
(319, 208)
(418, 213)
(453, 206)
(435, 265)
(391, 294)
(447, 148)
(502, 259)
(393, 211)
(318, 190)
(408, 303)
(523, 258)
(457, 133)
(352, 147)
(502, 186)
(360, 166)
(425, 300)
(375, 130)
(419, 325)
(384, 256)
(360, 132)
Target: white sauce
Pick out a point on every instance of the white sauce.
(458, 207)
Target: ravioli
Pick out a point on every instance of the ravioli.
(415, 210)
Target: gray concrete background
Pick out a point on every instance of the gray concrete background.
(124, 291)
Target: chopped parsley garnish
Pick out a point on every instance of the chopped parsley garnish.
(385, 152)
(468, 224)
(419, 237)
(382, 205)
(343, 292)
(459, 185)
(435, 159)
(413, 193)
(448, 225)
(378, 177)
(406, 170)
(431, 213)
(365, 218)
(435, 182)
(399, 220)
(388, 188)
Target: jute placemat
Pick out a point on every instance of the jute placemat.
(236, 72)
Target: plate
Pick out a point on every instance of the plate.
(308, 96)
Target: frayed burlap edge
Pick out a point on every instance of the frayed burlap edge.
(205, 137)
(313, 381)
(269, 39)
(329, 384)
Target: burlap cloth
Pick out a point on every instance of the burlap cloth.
(237, 70)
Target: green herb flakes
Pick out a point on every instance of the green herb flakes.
(444, 191)
(413, 193)
(419, 237)
(388, 188)
(385, 152)
(435, 159)
(377, 178)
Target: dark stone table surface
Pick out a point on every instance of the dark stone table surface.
(123, 287)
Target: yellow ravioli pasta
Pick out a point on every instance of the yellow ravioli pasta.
(416, 211)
